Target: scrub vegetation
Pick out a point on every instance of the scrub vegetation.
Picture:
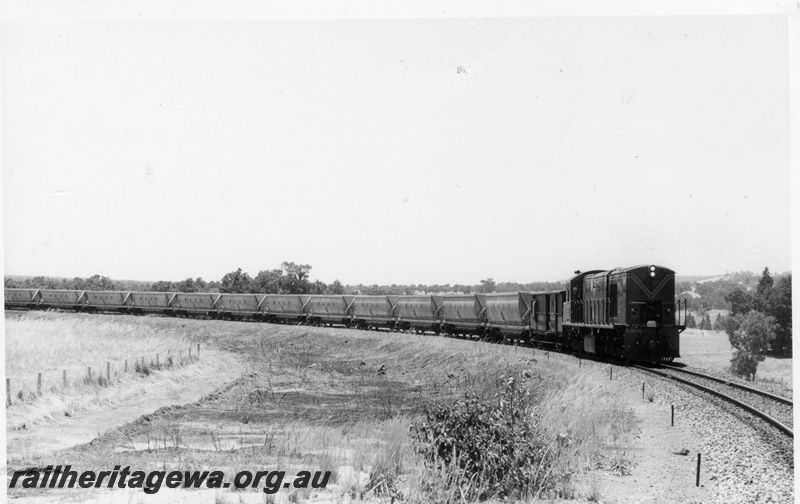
(411, 417)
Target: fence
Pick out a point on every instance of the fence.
(99, 376)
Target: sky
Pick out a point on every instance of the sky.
(399, 149)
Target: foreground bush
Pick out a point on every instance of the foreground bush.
(475, 449)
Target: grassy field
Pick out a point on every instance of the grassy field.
(712, 350)
(51, 344)
(344, 400)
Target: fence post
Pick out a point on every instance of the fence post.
(39, 384)
(64, 378)
(697, 482)
(157, 364)
(198, 351)
(672, 422)
(642, 390)
(89, 371)
(8, 391)
(126, 365)
(190, 352)
(108, 371)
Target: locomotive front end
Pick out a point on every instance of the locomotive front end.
(654, 320)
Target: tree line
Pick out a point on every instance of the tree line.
(290, 278)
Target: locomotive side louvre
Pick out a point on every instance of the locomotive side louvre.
(575, 306)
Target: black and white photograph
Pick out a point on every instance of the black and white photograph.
(353, 252)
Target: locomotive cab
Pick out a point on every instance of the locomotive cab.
(574, 302)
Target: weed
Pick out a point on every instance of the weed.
(651, 396)
(487, 449)
(142, 368)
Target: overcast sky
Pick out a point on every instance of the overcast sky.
(406, 150)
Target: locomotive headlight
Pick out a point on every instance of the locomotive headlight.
(652, 271)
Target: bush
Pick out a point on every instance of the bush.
(744, 364)
(481, 450)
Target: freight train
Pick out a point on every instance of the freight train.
(624, 313)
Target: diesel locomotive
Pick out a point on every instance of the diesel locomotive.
(624, 313)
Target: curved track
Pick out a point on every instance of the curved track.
(756, 391)
(775, 410)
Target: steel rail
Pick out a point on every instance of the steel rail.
(732, 384)
(786, 430)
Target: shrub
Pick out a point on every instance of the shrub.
(744, 364)
(486, 449)
(142, 368)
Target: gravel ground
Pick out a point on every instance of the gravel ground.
(777, 410)
(743, 458)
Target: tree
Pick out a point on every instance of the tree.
(765, 284)
(718, 323)
(779, 305)
(162, 286)
(691, 323)
(295, 278)
(488, 285)
(187, 285)
(705, 323)
(744, 364)
(236, 282)
(751, 336)
(267, 282)
(741, 302)
(336, 287)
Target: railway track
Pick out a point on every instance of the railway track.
(775, 410)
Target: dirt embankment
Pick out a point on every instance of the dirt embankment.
(36, 440)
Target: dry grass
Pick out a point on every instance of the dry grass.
(312, 398)
(51, 343)
(712, 350)
(592, 424)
